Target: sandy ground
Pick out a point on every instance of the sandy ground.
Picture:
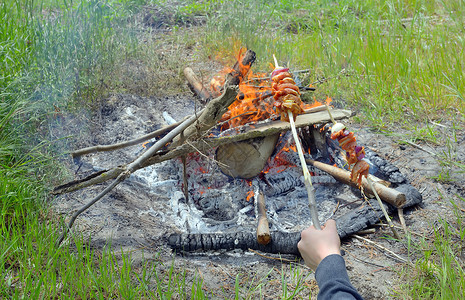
(134, 218)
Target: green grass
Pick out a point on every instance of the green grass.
(438, 271)
(402, 57)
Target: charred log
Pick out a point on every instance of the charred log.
(241, 68)
(384, 169)
(281, 242)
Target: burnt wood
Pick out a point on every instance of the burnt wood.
(281, 242)
(241, 68)
(352, 222)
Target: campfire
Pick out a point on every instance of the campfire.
(239, 181)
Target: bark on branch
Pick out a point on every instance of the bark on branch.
(101, 148)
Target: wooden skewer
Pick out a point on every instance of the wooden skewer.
(370, 183)
(307, 177)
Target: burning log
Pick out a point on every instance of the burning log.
(259, 130)
(209, 117)
(387, 194)
(263, 229)
(218, 106)
(241, 67)
(196, 85)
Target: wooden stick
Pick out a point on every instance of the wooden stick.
(263, 229)
(196, 84)
(101, 148)
(307, 178)
(367, 231)
(400, 212)
(387, 194)
(386, 215)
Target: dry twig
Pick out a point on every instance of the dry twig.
(382, 248)
(101, 148)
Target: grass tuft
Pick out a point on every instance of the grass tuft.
(438, 271)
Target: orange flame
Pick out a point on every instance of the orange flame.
(254, 102)
(250, 194)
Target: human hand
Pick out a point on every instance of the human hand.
(315, 245)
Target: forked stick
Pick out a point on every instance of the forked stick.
(307, 177)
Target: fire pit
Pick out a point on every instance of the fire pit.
(213, 195)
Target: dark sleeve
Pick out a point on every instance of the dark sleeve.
(333, 281)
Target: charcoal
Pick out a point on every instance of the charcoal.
(282, 242)
(384, 169)
(281, 183)
(413, 196)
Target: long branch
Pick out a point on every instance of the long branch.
(101, 148)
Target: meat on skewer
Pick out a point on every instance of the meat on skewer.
(286, 94)
(354, 154)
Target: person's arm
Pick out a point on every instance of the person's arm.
(333, 281)
(320, 250)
